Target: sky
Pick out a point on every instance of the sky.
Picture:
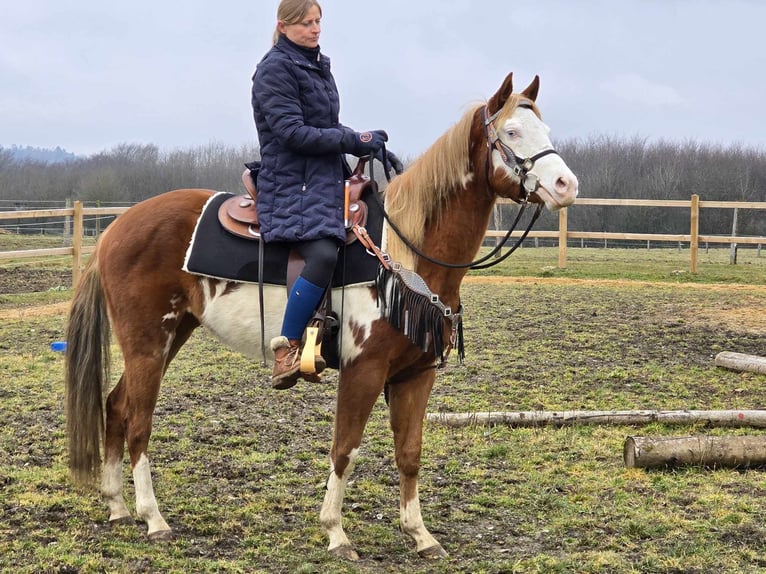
(87, 75)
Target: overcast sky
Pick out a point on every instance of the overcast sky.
(89, 74)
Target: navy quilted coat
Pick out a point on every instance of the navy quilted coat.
(301, 180)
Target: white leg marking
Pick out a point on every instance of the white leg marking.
(146, 504)
(330, 516)
(111, 489)
(412, 522)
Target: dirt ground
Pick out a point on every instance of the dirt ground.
(590, 342)
(751, 318)
(26, 280)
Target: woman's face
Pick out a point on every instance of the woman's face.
(306, 32)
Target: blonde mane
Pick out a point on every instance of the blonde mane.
(416, 197)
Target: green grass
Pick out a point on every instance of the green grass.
(666, 265)
(657, 264)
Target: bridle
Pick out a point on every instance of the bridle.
(521, 167)
(529, 184)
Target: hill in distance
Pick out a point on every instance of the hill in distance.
(36, 154)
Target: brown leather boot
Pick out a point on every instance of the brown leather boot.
(287, 362)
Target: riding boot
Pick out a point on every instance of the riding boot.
(301, 303)
(287, 362)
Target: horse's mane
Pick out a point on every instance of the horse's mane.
(416, 196)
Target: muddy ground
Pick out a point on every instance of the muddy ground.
(531, 344)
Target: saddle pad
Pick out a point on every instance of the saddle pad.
(214, 252)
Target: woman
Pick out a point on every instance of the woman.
(303, 167)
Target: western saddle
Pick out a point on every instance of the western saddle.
(238, 214)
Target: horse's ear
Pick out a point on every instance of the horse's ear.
(532, 89)
(498, 100)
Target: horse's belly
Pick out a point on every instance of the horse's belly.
(233, 315)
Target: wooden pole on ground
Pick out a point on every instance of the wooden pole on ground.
(724, 418)
(707, 451)
(741, 362)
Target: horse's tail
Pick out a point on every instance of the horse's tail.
(87, 375)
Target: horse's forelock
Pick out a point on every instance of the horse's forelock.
(512, 103)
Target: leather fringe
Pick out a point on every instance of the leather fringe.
(412, 309)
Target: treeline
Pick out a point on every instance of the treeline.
(126, 174)
(607, 167)
(636, 168)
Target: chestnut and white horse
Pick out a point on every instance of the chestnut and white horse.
(135, 283)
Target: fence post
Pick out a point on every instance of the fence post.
(67, 224)
(563, 238)
(733, 246)
(77, 243)
(694, 232)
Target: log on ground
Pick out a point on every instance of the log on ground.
(705, 451)
(717, 418)
(741, 362)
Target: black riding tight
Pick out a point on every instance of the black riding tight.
(320, 256)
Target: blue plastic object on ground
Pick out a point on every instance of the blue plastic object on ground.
(58, 346)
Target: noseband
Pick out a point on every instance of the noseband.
(521, 167)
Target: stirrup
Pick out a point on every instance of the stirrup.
(311, 350)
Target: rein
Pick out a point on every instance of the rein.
(478, 263)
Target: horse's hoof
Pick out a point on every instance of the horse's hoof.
(433, 552)
(345, 552)
(161, 536)
(121, 520)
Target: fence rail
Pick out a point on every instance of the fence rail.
(77, 214)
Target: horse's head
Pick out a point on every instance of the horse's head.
(522, 163)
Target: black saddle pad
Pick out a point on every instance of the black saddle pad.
(214, 252)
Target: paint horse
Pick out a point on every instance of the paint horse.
(134, 282)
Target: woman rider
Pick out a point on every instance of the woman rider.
(303, 167)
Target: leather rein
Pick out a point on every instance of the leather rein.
(529, 183)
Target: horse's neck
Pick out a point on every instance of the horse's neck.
(456, 237)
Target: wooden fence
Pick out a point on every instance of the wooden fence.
(77, 213)
(693, 238)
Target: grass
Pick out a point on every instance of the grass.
(239, 469)
(664, 265)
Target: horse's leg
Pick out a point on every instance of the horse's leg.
(125, 415)
(359, 388)
(142, 377)
(407, 404)
(114, 451)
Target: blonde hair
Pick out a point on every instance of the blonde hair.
(416, 197)
(292, 12)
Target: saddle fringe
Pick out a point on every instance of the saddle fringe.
(410, 307)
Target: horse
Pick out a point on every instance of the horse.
(134, 287)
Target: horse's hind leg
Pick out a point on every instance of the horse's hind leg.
(114, 451)
(129, 410)
(142, 383)
(407, 404)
